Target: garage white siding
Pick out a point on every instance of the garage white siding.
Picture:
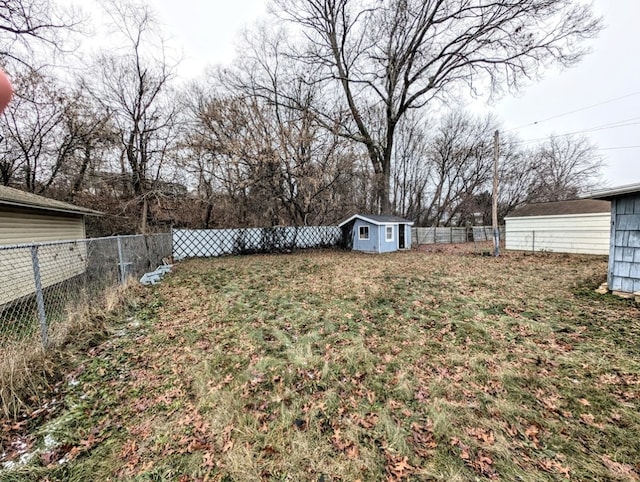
(26, 219)
(21, 226)
(570, 233)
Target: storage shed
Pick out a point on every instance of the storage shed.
(578, 226)
(624, 250)
(377, 234)
(26, 218)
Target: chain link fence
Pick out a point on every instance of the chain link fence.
(204, 243)
(43, 283)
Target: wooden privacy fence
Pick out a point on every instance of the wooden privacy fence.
(453, 235)
(206, 243)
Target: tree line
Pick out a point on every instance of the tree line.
(331, 107)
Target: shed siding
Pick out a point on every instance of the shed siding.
(370, 245)
(23, 226)
(388, 246)
(624, 270)
(573, 233)
(57, 263)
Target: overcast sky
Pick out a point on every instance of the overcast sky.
(602, 92)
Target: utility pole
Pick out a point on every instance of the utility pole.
(494, 208)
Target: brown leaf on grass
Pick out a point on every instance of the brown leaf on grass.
(480, 461)
(269, 450)
(532, 433)
(483, 464)
(550, 402)
(464, 449)
(620, 471)
(553, 466)
(353, 452)
(398, 468)
(128, 448)
(483, 435)
(422, 395)
(208, 460)
(423, 439)
(197, 444)
(369, 421)
(590, 419)
(338, 442)
(228, 445)
(371, 396)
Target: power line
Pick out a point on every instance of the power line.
(616, 148)
(610, 125)
(577, 110)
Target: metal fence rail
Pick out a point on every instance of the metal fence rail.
(41, 283)
(207, 243)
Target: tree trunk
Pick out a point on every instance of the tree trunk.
(144, 215)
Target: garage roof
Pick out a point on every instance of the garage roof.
(559, 208)
(15, 198)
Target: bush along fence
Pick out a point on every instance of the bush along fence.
(201, 243)
(453, 235)
(42, 283)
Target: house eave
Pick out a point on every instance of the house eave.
(77, 212)
(608, 194)
(374, 221)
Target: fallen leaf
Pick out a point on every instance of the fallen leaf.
(208, 460)
(353, 452)
(621, 471)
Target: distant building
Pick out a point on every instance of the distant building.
(578, 226)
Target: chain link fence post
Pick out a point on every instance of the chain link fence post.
(42, 315)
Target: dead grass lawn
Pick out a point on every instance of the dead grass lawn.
(333, 366)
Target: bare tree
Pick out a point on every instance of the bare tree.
(27, 26)
(388, 57)
(461, 159)
(133, 84)
(50, 135)
(411, 171)
(33, 126)
(564, 167)
(263, 143)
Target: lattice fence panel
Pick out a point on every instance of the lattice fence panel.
(208, 243)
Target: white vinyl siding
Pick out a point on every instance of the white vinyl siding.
(56, 263)
(571, 233)
(18, 227)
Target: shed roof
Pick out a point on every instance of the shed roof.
(377, 219)
(609, 194)
(559, 208)
(15, 198)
